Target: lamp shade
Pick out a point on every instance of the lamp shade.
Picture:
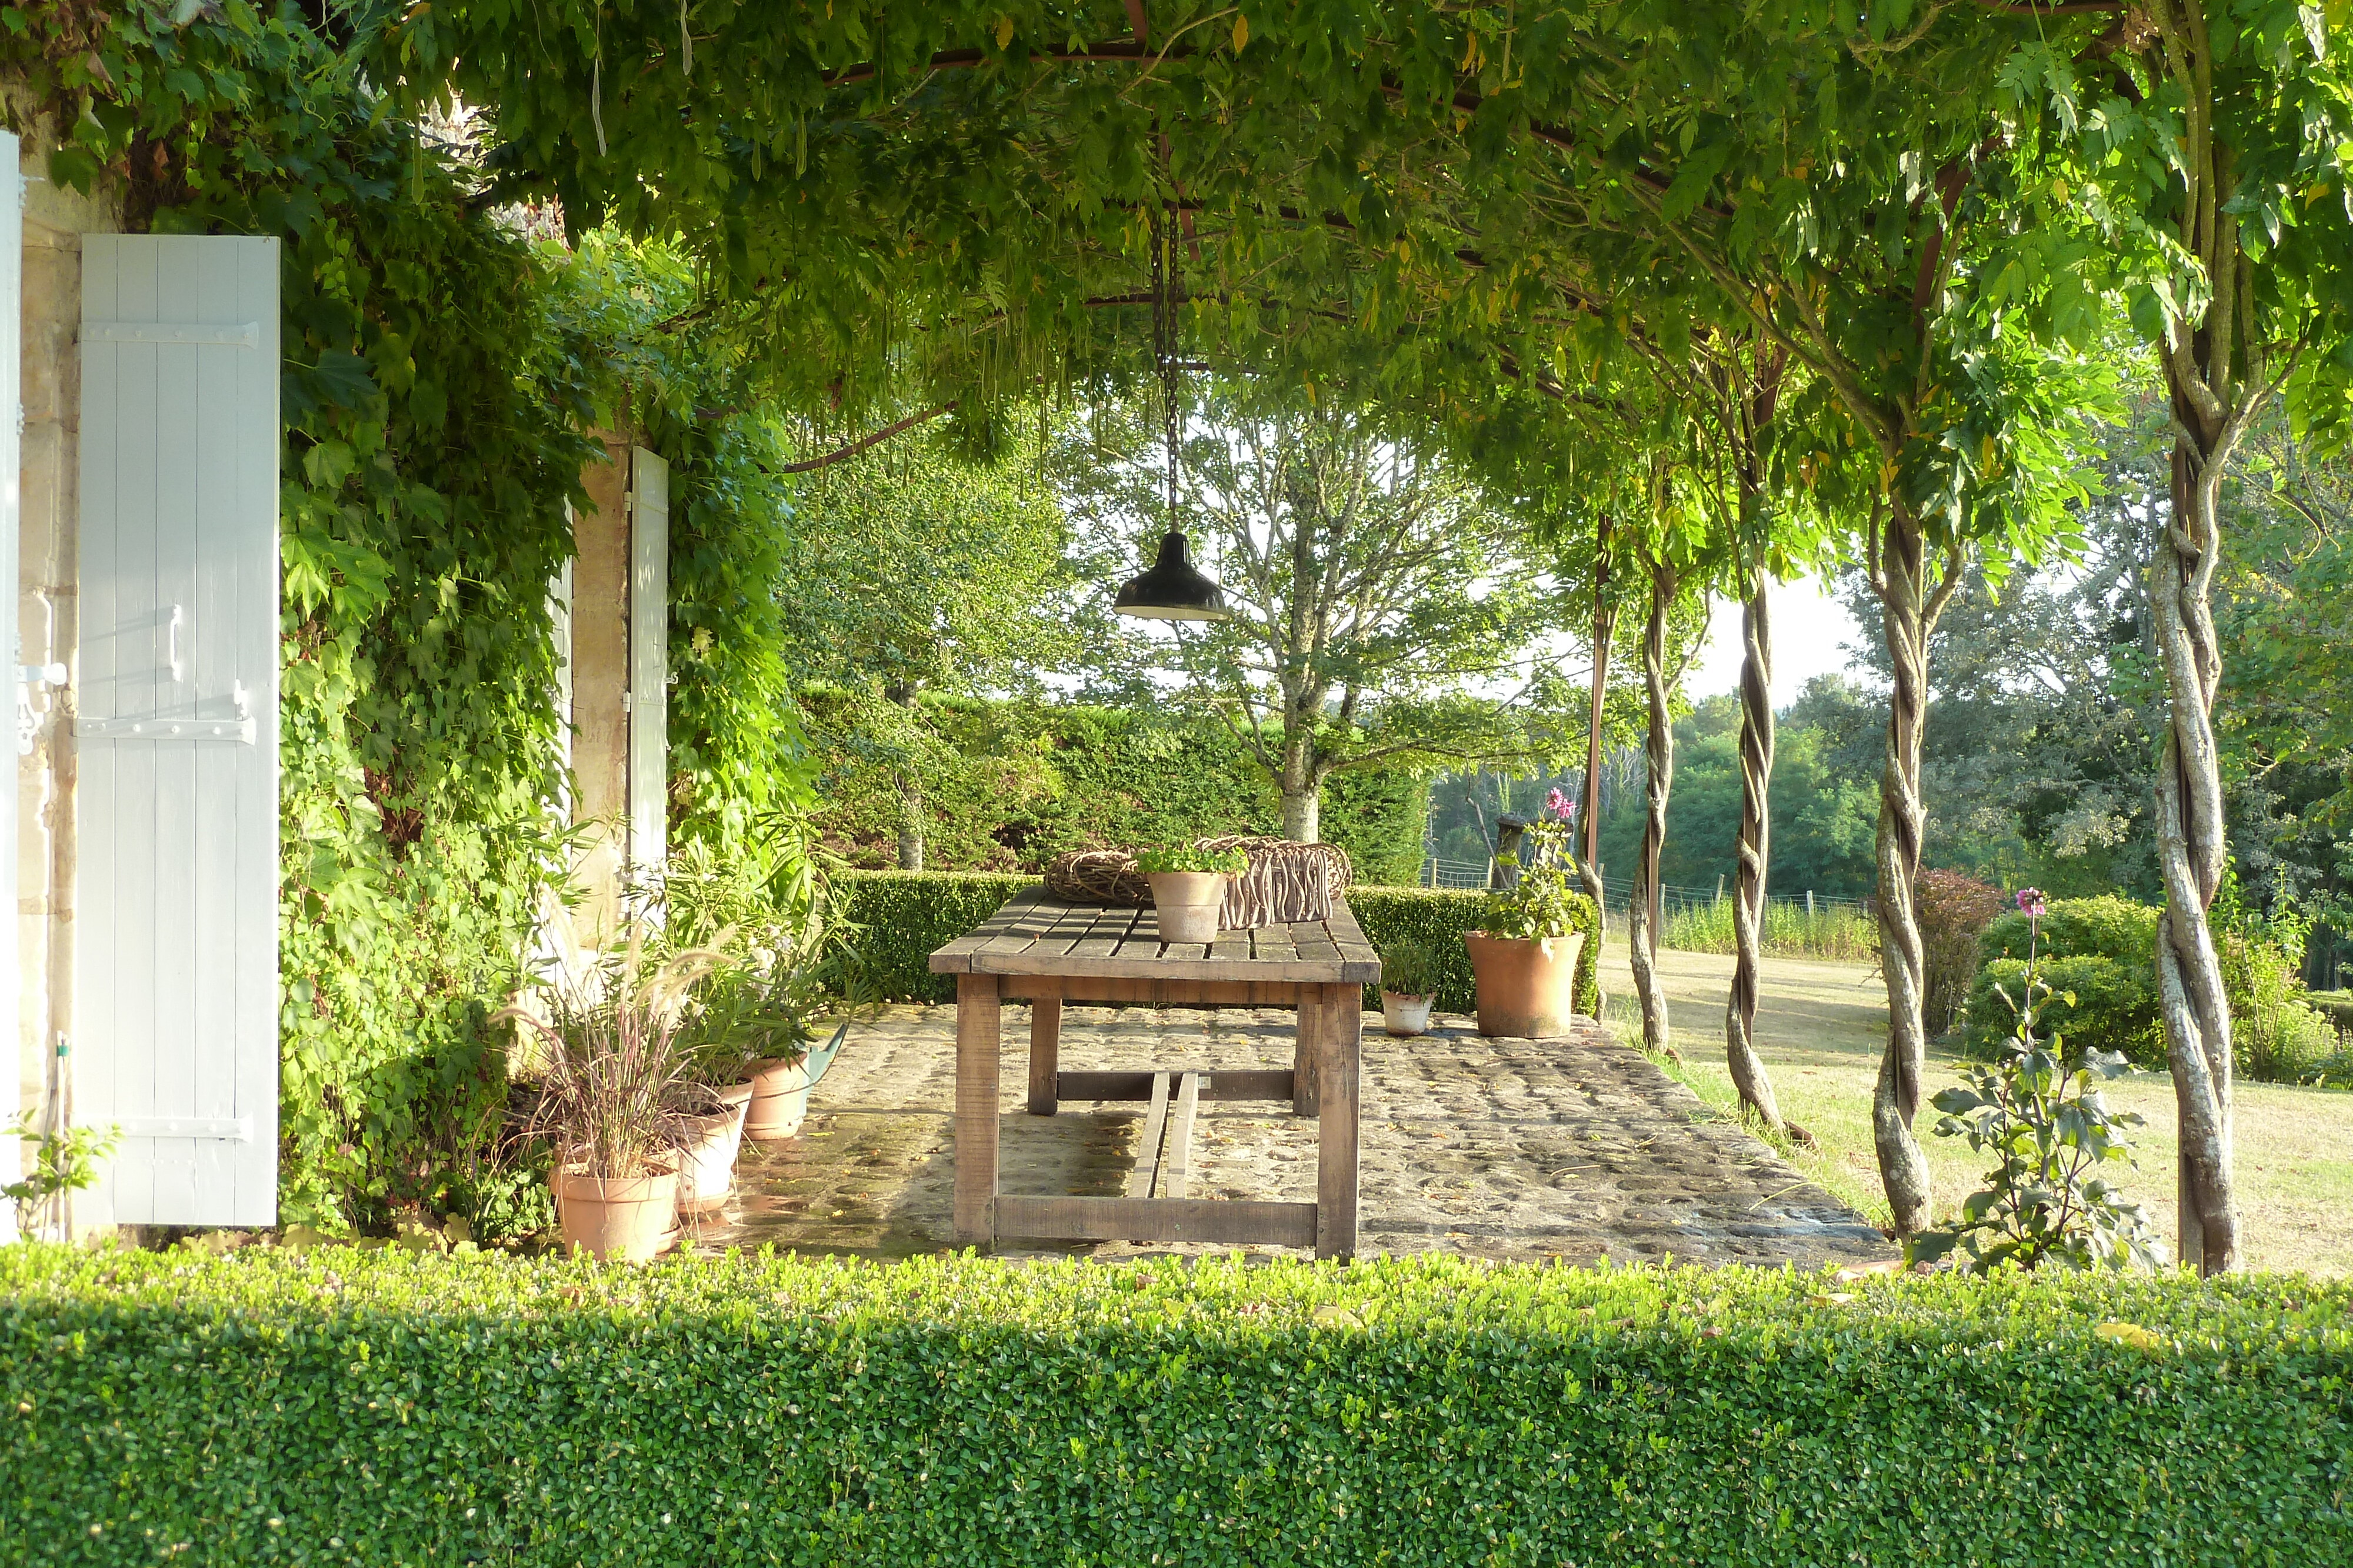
(1172, 590)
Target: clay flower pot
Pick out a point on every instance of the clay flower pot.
(779, 1100)
(1187, 904)
(1527, 985)
(1406, 1014)
(706, 1169)
(617, 1218)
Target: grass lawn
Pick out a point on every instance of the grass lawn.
(1822, 1026)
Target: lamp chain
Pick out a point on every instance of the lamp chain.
(1163, 344)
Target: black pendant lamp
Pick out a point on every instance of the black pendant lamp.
(1174, 589)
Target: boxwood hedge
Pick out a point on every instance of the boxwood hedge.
(904, 916)
(376, 1407)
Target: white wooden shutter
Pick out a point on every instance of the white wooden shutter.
(648, 659)
(175, 991)
(12, 299)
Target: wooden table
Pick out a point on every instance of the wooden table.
(1047, 953)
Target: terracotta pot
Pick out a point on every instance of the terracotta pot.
(620, 1218)
(1527, 986)
(1187, 904)
(1406, 1014)
(779, 1101)
(706, 1170)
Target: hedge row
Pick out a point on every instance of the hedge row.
(904, 916)
(342, 1406)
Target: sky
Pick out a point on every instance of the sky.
(1809, 626)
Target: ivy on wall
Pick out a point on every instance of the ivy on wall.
(441, 376)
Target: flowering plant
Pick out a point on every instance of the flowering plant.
(2051, 1129)
(1558, 807)
(1540, 901)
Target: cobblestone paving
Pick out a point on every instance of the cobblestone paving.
(1575, 1148)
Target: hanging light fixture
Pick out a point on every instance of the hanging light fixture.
(1173, 590)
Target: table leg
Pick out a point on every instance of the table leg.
(1045, 1053)
(978, 1015)
(1340, 1040)
(1307, 1052)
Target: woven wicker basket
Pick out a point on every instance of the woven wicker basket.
(1285, 882)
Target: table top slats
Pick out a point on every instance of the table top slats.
(1034, 934)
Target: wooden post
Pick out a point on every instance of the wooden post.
(978, 1015)
(1308, 1053)
(1045, 1053)
(1340, 1038)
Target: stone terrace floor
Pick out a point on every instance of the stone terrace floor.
(1575, 1148)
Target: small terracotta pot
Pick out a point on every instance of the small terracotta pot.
(619, 1218)
(779, 1101)
(1187, 904)
(1527, 985)
(706, 1169)
(1406, 1014)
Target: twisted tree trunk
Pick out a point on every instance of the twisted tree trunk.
(2191, 837)
(908, 695)
(2214, 375)
(1643, 909)
(1752, 852)
(1908, 610)
(1588, 864)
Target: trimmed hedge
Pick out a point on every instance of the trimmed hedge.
(375, 1407)
(905, 916)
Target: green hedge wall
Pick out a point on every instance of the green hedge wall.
(1022, 780)
(345, 1406)
(904, 916)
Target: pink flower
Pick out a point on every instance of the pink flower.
(1559, 807)
(2029, 900)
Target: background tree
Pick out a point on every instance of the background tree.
(910, 571)
(1386, 609)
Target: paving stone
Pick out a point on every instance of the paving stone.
(1577, 1148)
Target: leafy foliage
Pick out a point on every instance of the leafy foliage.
(1191, 858)
(1016, 782)
(2037, 1110)
(1954, 910)
(896, 920)
(1396, 1411)
(441, 374)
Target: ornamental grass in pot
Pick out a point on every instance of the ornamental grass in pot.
(1409, 980)
(1525, 954)
(1189, 888)
(603, 1037)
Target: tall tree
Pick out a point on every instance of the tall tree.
(910, 571)
(2220, 144)
(1384, 608)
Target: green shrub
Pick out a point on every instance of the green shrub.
(2106, 958)
(904, 916)
(901, 918)
(1437, 918)
(379, 1408)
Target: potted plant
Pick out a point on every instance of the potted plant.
(1525, 955)
(752, 1024)
(1409, 981)
(1189, 888)
(602, 1036)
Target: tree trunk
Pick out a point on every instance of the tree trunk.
(910, 788)
(910, 822)
(1753, 854)
(1643, 909)
(2191, 844)
(2214, 376)
(1901, 581)
(1588, 864)
(1302, 814)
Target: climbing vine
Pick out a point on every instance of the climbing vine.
(441, 375)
